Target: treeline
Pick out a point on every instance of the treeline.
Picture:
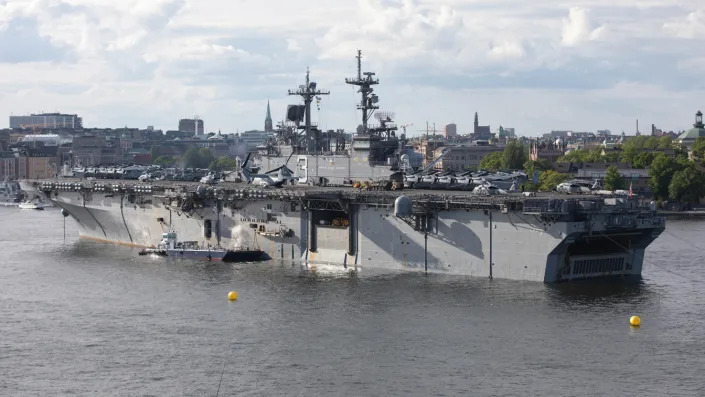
(637, 151)
(672, 176)
(676, 179)
(197, 158)
(513, 157)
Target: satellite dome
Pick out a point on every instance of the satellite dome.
(403, 206)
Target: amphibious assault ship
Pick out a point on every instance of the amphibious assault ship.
(546, 238)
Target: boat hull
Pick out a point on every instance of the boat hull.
(469, 241)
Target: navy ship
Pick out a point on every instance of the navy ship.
(320, 210)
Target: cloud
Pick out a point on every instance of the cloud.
(577, 28)
(396, 31)
(140, 62)
(507, 49)
(690, 27)
(20, 42)
(91, 27)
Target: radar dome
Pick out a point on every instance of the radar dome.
(403, 206)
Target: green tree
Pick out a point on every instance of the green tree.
(191, 158)
(611, 157)
(514, 155)
(665, 142)
(687, 186)
(660, 175)
(643, 160)
(532, 166)
(633, 146)
(206, 157)
(613, 180)
(699, 149)
(594, 155)
(550, 179)
(154, 151)
(164, 161)
(224, 163)
(529, 186)
(492, 161)
(574, 156)
(198, 158)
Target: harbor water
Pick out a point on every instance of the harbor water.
(83, 318)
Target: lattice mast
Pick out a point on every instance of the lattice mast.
(308, 92)
(368, 99)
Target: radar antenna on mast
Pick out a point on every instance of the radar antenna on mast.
(368, 100)
(308, 92)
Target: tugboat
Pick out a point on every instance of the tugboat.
(170, 247)
(32, 205)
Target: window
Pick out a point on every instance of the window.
(207, 228)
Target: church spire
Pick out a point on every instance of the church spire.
(268, 120)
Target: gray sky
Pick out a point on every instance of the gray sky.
(534, 65)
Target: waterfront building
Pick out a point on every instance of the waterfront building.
(192, 126)
(41, 162)
(464, 157)
(8, 165)
(549, 151)
(44, 140)
(637, 178)
(427, 147)
(46, 121)
(91, 150)
(172, 134)
(450, 131)
(252, 139)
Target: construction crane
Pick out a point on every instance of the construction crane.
(430, 129)
(403, 127)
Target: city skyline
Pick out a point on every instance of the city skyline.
(581, 66)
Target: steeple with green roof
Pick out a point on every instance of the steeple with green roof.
(268, 120)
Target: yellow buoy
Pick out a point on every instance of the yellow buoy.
(634, 320)
(232, 295)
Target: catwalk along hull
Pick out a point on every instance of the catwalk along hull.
(539, 239)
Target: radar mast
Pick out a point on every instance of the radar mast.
(307, 92)
(368, 100)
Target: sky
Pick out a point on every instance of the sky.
(534, 65)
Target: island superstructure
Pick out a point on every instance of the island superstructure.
(322, 158)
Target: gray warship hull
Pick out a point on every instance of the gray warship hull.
(551, 238)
